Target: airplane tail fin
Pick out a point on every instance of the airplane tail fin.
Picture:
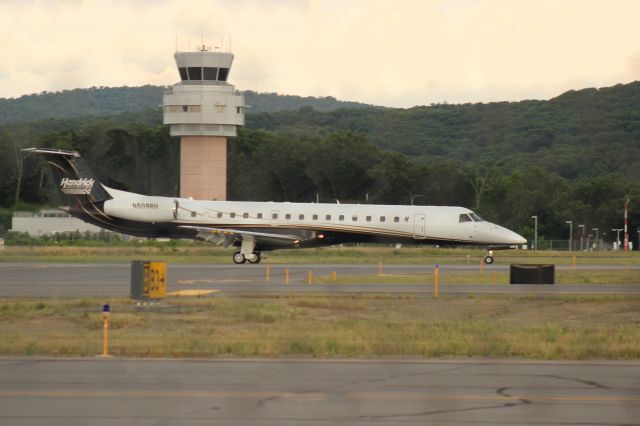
(75, 179)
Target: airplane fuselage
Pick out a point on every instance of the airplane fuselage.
(254, 227)
(313, 223)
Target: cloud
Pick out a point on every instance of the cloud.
(375, 51)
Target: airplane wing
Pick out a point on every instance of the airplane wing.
(223, 236)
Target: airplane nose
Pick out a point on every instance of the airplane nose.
(519, 238)
(513, 238)
(510, 237)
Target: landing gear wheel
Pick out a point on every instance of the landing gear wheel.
(238, 258)
(254, 257)
(488, 259)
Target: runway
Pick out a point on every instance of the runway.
(292, 392)
(86, 280)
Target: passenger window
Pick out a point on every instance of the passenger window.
(245, 215)
(354, 218)
(274, 216)
(193, 214)
(300, 217)
(382, 218)
(259, 215)
(287, 216)
(219, 214)
(328, 217)
(464, 218)
(368, 219)
(232, 215)
(341, 217)
(315, 217)
(396, 219)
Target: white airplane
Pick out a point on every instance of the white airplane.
(256, 227)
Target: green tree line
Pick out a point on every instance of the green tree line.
(574, 157)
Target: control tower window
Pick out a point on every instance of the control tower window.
(210, 73)
(183, 74)
(195, 73)
(223, 73)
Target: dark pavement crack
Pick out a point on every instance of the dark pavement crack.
(585, 382)
(503, 392)
(431, 413)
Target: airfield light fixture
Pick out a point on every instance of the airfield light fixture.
(617, 231)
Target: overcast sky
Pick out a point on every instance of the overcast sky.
(387, 52)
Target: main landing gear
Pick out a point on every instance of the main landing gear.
(240, 258)
(488, 259)
(247, 251)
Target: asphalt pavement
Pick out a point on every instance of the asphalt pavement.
(332, 392)
(107, 279)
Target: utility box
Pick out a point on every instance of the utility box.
(532, 274)
(148, 279)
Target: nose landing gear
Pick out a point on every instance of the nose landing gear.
(488, 259)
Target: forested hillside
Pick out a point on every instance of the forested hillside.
(574, 157)
(101, 101)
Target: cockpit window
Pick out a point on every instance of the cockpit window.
(464, 218)
(476, 218)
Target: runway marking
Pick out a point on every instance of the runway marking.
(416, 396)
(427, 396)
(231, 280)
(157, 394)
(192, 293)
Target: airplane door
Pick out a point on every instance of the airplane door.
(275, 216)
(419, 226)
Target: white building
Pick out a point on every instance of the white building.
(49, 222)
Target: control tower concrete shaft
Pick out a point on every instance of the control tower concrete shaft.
(204, 110)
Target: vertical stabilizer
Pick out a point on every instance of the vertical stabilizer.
(75, 180)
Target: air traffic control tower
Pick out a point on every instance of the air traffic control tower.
(204, 110)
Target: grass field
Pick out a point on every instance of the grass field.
(206, 253)
(356, 325)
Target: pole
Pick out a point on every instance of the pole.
(535, 232)
(267, 273)
(436, 281)
(626, 231)
(105, 330)
(570, 222)
(286, 277)
(310, 277)
(581, 237)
